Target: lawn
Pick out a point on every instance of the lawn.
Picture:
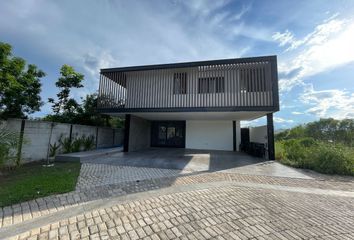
(32, 181)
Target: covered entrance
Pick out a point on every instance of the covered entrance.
(168, 134)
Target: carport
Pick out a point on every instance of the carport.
(184, 159)
(194, 161)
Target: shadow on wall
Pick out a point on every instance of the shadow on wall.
(41, 136)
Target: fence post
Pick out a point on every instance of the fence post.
(96, 137)
(71, 132)
(114, 135)
(19, 148)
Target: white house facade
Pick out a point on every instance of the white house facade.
(196, 105)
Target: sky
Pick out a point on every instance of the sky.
(313, 40)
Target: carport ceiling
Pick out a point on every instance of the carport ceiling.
(197, 115)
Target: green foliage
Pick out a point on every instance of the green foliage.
(76, 145)
(86, 114)
(298, 151)
(20, 85)
(53, 149)
(327, 130)
(66, 144)
(88, 143)
(9, 141)
(320, 156)
(69, 79)
(333, 159)
(279, 150)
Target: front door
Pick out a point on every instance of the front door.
(168, 134)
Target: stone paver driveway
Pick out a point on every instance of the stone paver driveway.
(126, 202)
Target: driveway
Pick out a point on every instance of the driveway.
(241, 199)
(192, 160)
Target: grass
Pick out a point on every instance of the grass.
(323, 157)
(32, 180)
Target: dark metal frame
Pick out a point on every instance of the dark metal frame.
(270, 135)
(126, 133)
(192, 109)
(234, 140)
(191, 64)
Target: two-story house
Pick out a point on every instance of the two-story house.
(195, 105)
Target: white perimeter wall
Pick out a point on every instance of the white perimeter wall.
(37, 133)
(212, 135)
(259, 134)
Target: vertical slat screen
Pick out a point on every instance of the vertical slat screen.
(226, 85)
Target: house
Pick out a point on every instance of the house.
(195, 105)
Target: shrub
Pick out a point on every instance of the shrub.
(82, 143)
(76, 145)
(66, 144)
(316, 155)
(53, 150)
(298, 152)
(279, 150)
(332, 159)
(88, 142)
(9, 141)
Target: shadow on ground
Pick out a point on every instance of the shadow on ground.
(192, 160)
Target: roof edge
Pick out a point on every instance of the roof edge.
(190, 64)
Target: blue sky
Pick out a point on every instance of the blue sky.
(314, 41)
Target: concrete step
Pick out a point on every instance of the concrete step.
(88, 155)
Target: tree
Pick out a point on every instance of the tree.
(69, 79)
(20, 85)
(327, 130)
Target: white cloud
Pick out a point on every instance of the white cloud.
(282, 120)
(119, 33)
(297, 113)
(338, 104)
(285, 38)
(241, 13)
(326, 48)
(204, 7)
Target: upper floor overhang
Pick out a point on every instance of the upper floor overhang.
(240, 84)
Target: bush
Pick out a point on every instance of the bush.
(88, 142)
(66, 144)
(53, 150)
(78, 144)
(316, 155)
(279, 150)
(9, 141)
(298, 152)
(333, 159)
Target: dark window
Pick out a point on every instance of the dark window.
(180, 83)
(211, 85)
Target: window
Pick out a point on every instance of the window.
(180, 83)
(211, 85)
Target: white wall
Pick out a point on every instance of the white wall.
(37, 133)
(258, 134)
(213, 135)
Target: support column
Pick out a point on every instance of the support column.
(270, 133)
(126, 133)
(234, 135)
